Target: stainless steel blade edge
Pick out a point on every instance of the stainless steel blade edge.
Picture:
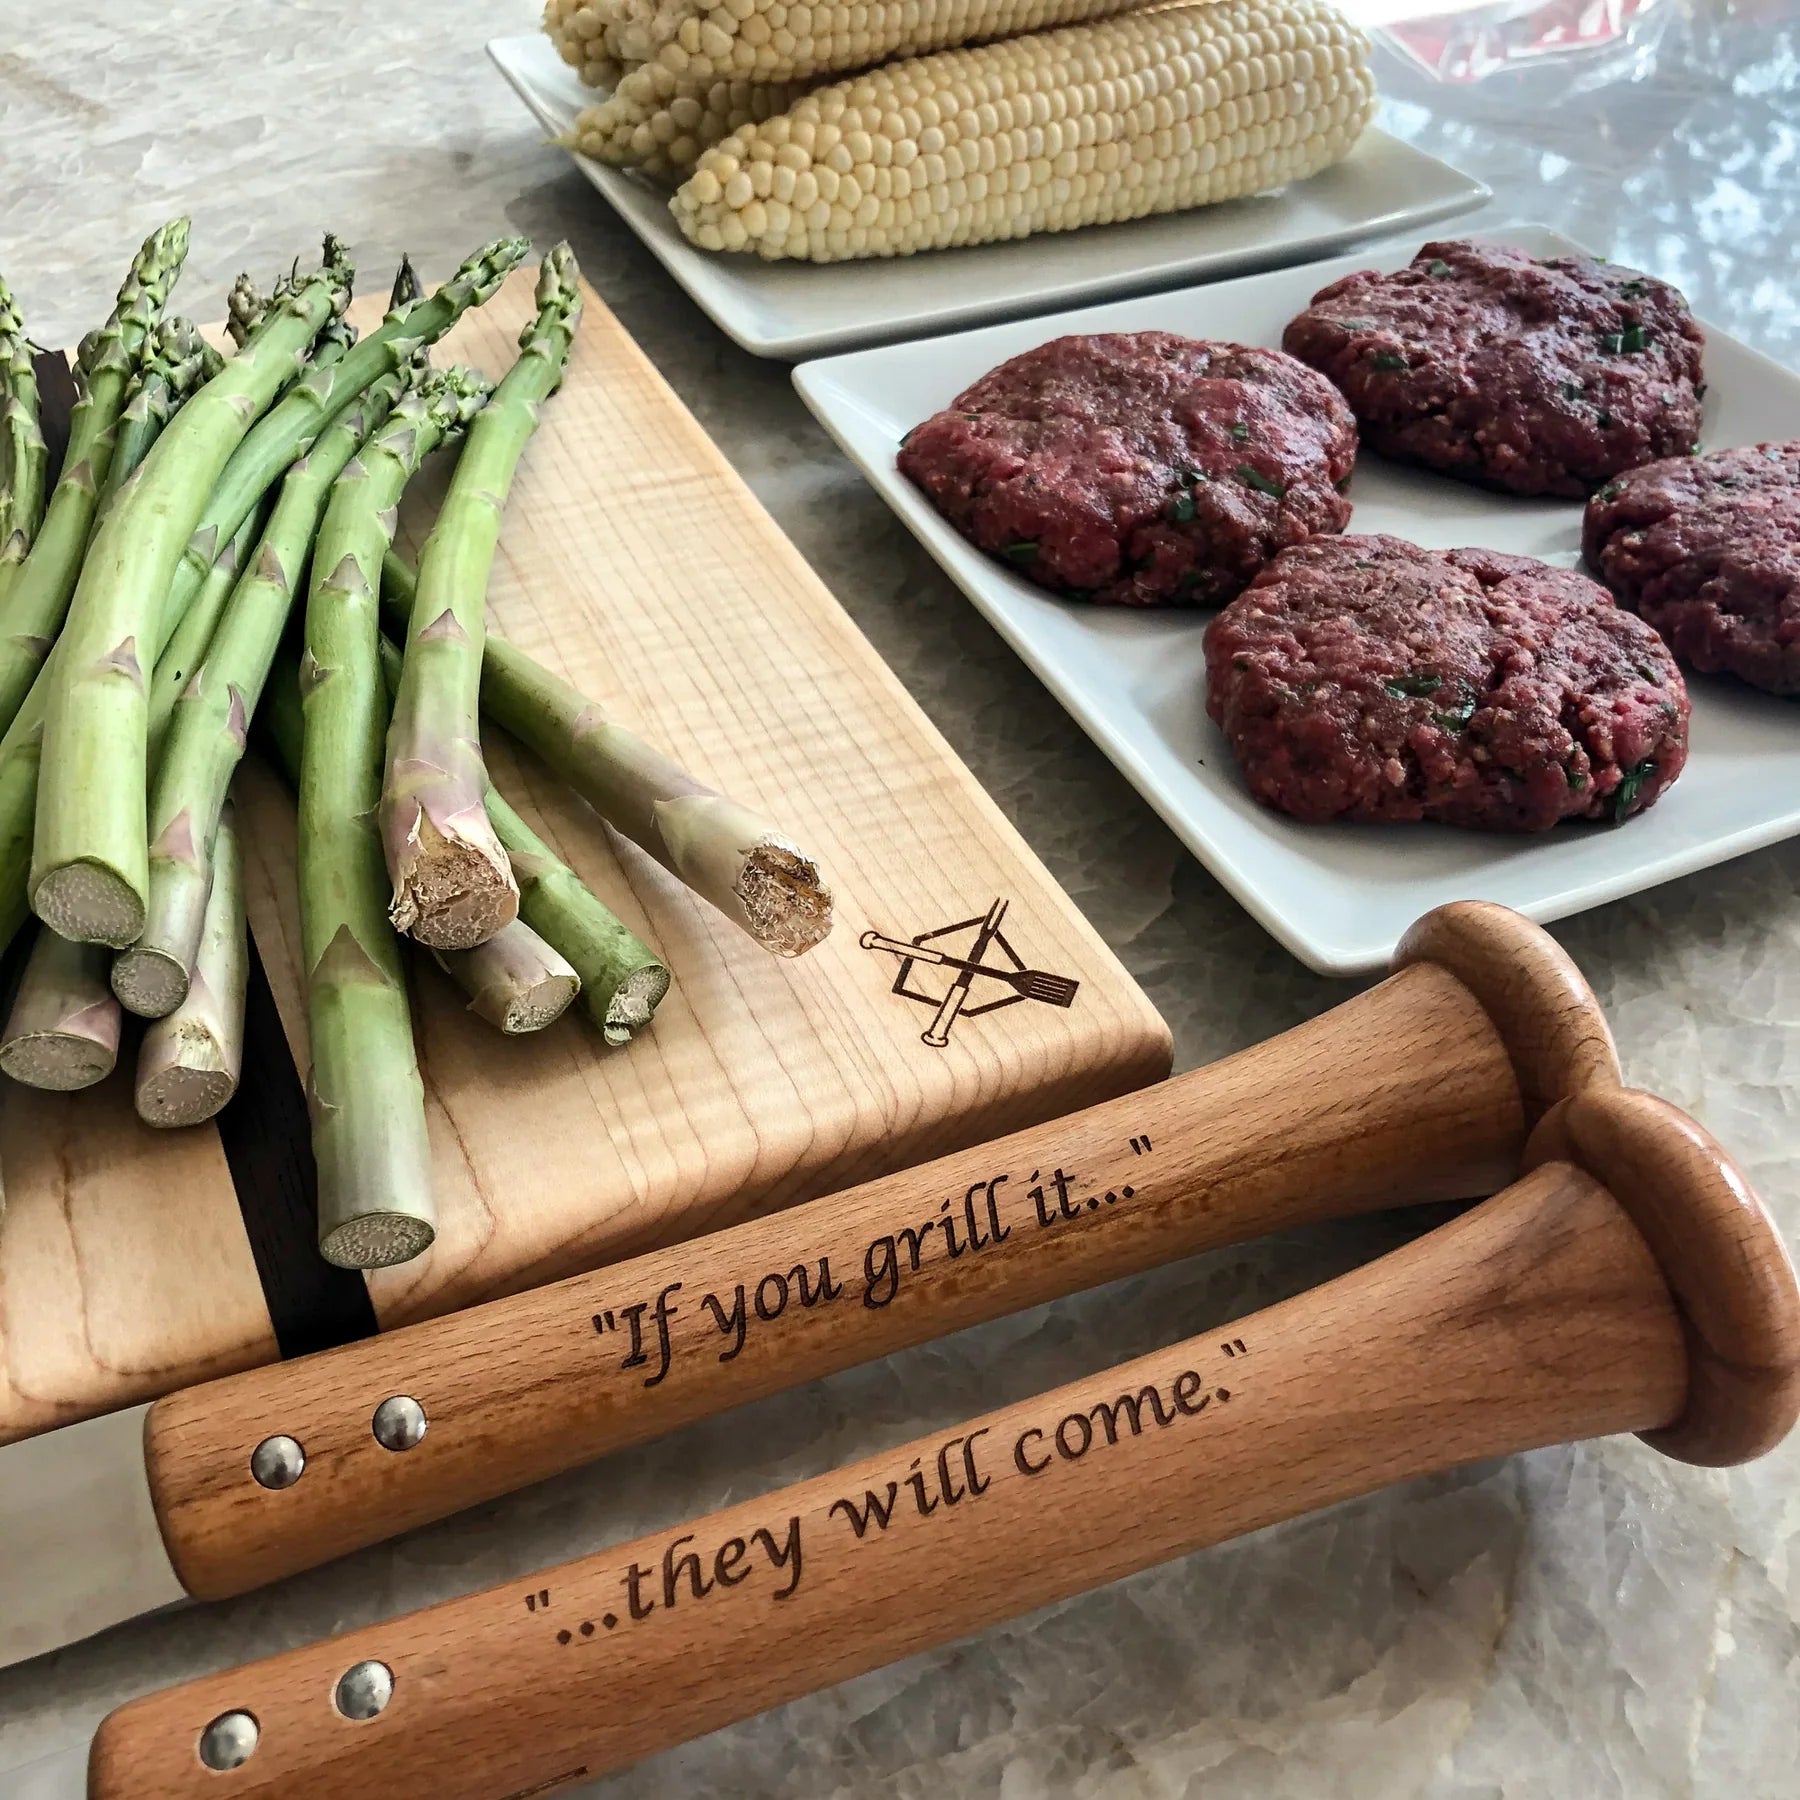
(80, 1547)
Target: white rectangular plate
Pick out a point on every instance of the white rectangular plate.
(1338, 896)
(798, 309)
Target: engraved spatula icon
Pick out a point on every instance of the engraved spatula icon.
(1031, 984)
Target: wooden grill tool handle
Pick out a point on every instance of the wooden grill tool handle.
(1542, 1315)
(1422, 1088)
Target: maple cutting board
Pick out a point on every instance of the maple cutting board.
(635, 562)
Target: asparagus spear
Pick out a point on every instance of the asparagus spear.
(189, 1062)
(181, 362)
(265, 454)
(38, 600)
(758, 877)
(368, 1104)
(63, 1031)
(21, 747)
(211, 721)
(622, 980)
(201, 605)
(23, 454)
(452, 884)
(515, 980)
(90, 864)
(187, 646)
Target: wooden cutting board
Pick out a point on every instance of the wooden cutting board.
(637, 563)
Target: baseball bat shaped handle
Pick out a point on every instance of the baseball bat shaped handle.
(1631, 1282)
(1423, 1088)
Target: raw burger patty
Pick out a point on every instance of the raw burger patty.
(1140, 468)
(1365, 678)
(1707, 548)
(1538, 377)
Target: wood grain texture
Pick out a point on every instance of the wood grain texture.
(1539, 1316)
(124, 1267)
(1402, 1094)
(634, 562)
(1558, 1037)
(1731, 1276)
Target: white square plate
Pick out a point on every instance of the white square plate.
(1338, 896)
(792, 309)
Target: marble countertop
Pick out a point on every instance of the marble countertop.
(1591, 1621)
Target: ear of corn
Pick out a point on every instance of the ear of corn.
(660, 123)
(778, 40)
(1150, 113)
(576, 29)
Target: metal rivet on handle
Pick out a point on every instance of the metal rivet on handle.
(399, 1423)
(278, 1462)
(364, 1689)
(228, 1741)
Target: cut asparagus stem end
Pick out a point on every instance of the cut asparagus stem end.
(634, 1003)
(516, 981)
(452, 896)
(180, 1093)
(535, 1007)
(63, 1031)
(61, 1061)
(376, 1241)
(787, 907)
(150, 983)
(88, 903)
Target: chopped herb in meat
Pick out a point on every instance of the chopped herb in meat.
(1438, 267)
(1022, 552)
(1241, 432)
(1630, 783)
(1180, 510)
(1386, 359)
(1254, 478)
(1413, 687)
(1604, 419)
(1573, 390)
